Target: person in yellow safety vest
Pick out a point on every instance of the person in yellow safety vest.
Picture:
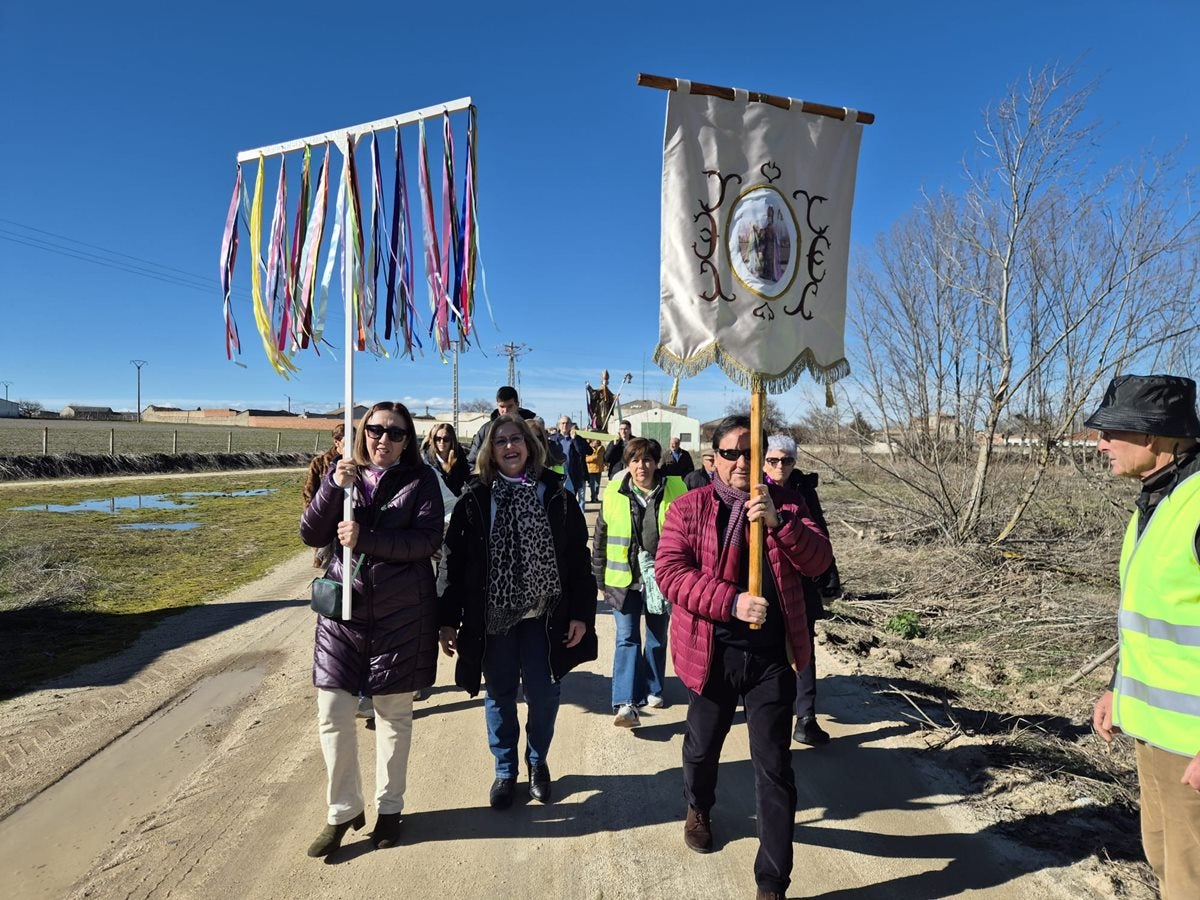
(631, 517)
(1148, 430)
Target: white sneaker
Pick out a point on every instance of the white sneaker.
(626, 717)
(366, 709)
(655, 701)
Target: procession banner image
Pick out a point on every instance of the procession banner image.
(756, 205)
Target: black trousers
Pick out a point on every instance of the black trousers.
(806, 680)
(767, 685)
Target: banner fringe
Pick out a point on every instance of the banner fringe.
(693, 365)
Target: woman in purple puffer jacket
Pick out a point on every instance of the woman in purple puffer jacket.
(388, 649)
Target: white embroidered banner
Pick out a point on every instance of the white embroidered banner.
(756, 204)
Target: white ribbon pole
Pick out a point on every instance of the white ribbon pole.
(348, 352)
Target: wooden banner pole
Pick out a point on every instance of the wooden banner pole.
(727, 93)
(758, 402)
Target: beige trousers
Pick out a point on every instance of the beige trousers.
(339, 745)
(1170, 822)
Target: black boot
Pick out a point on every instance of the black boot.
(501, 795)
(331, 836)
(387, 831)
(539, 782)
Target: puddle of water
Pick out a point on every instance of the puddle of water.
(159, 526)
(139, 501)
(110, 504)
(52, 841)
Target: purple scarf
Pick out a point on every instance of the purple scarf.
(733, 541)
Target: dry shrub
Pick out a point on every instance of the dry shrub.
(13, 468)
(37, 577)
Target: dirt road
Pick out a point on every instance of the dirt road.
(189, 767)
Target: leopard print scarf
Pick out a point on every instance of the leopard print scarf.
(523, 569)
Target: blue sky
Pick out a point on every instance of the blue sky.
(121, 123)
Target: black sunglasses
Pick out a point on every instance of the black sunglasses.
(731, 454)
(394, 433)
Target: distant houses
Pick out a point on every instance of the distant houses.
(9, 409)
(79, 411)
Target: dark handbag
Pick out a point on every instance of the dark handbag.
(327, 594)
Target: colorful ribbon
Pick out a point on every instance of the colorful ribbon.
(229, 247)
(438, 300)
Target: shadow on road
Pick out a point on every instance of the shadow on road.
(98, 648)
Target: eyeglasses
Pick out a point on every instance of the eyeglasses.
(394, 432)
(780, 461)
(515, 439)
(442, 439)
(731, 454)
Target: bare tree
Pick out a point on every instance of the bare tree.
(1014, 301)
(773, 420)
(29, 409)
(481, 404)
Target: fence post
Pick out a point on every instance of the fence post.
(278, 436)
(112, 441)
(174, 442)
(229, 443)
(316, 442)
(45, 440)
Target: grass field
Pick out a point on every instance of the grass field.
(75, 587)
(23, 437)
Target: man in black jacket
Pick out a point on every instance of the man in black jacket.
(614, 453)
(506, 402)
(678, 461)
(703, 476)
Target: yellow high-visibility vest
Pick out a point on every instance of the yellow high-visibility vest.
(619, 522)
(1156, 696)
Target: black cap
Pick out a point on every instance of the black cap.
(1148, 404)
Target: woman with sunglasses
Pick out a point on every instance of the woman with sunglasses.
(518, 602)
(627, 529)
(388, 649)
(779, 467)
(442, 451)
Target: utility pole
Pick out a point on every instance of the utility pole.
(289, 400)
(139, 363)
(7, 385)
(513, 352)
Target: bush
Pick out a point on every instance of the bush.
(906, 624)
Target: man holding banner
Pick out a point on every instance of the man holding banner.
(757, 192)
(729, 644)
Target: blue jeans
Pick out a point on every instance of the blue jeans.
(593, 481)
(638, 673)
(520, 657)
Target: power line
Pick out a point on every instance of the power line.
(198, 284)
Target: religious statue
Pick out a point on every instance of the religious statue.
(599, 403)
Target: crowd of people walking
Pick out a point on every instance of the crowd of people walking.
(517, 588)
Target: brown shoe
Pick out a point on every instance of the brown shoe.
(764, 894)
(697, 831)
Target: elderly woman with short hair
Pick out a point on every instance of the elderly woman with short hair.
(779, 467)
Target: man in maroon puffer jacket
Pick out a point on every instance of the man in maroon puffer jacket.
(702, 566)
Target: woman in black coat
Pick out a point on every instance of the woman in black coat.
(518, 599)
(447, 457)
(388, 649)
